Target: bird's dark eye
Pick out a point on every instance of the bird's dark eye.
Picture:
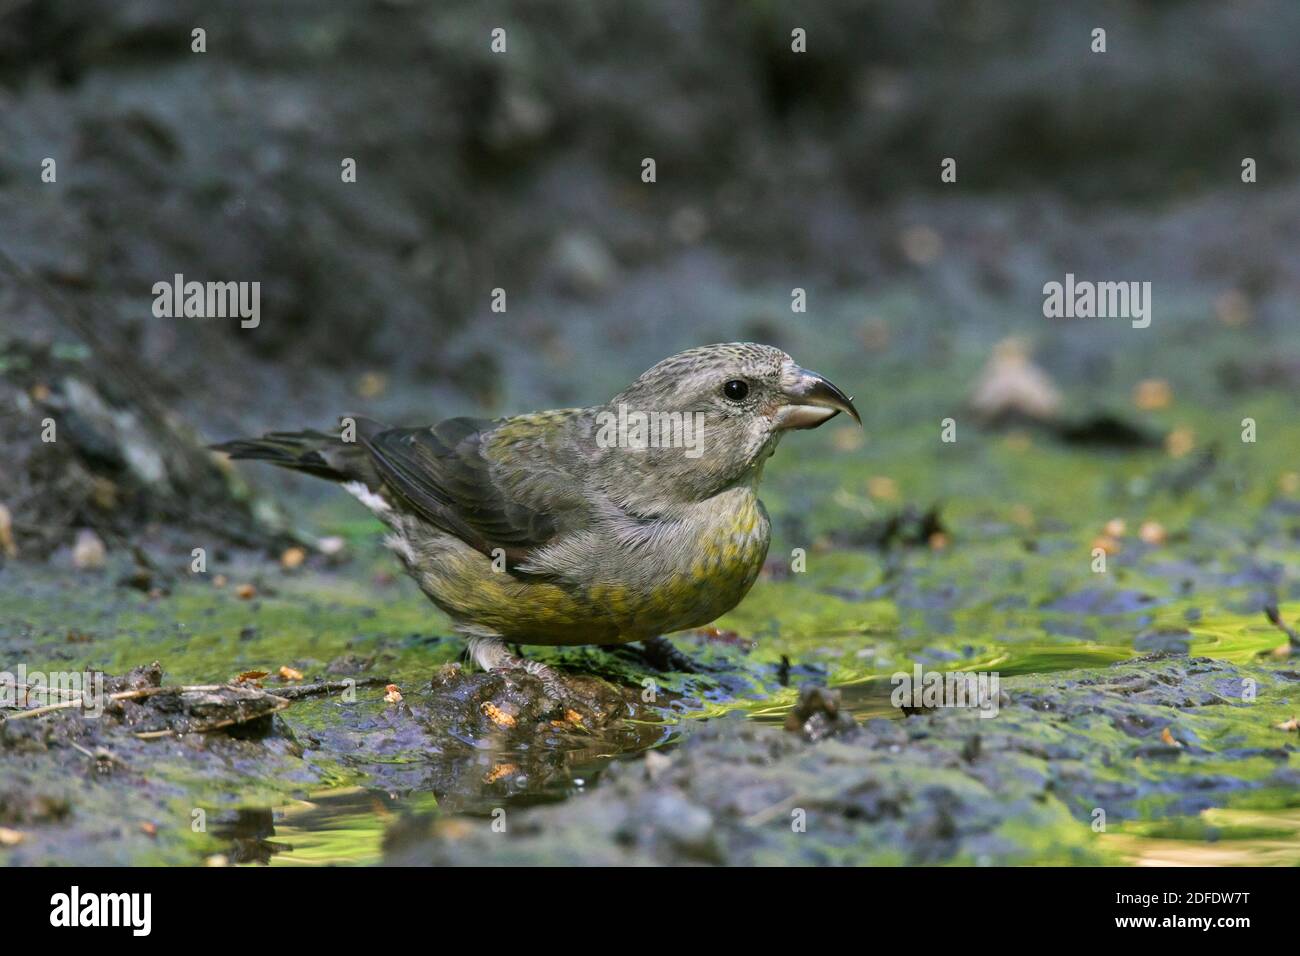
(736, 389)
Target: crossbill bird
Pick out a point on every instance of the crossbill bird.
(601, 525)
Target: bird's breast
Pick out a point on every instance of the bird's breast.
(693, 569)
(732, 540)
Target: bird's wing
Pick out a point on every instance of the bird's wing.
(504, 484)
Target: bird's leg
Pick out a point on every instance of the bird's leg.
(662, 655)
(491, 654)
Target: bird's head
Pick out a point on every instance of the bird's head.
(705, 419)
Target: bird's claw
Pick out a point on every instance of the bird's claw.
(662, 655)
(552, 686)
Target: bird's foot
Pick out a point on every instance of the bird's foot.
(551, 684)
(660, 654)
(491, 654)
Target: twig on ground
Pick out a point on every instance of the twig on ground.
(120, 695)
(328, 687)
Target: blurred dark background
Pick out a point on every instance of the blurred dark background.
(521, 170)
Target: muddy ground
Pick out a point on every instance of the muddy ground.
(1157, 694)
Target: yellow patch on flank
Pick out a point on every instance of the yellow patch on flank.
(615, 597)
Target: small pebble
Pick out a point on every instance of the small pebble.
(1180, 441)
(331, 546)
(1152, 532)
(1152, 394)
(88, 554)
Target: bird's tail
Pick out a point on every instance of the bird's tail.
(313, 452)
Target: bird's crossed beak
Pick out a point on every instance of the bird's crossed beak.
(812, 400)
